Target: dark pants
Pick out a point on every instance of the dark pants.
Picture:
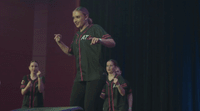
(86, 94)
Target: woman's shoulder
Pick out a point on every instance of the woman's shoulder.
(96, 26)
(119, 76)
(25, 76)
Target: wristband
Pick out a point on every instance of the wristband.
(130, 108)
(118, 85)
(40, 77)
(99, 40)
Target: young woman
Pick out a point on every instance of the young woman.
(86, 47)
(115, 90)
(32, 87)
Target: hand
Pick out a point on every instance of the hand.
(129, 109)
(102, 95)
(94, 41)
(29, 85)
(39, 74)
(115, 80)
(57, 37)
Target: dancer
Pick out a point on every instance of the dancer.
(115, 90)
(32, 87)
(86, 47)
(129, 96)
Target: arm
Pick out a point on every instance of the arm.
(27, 88)
(121, 90)
(40, 82)
(107, 42)
(62, 46)
(119, 87)
(103, 92)
(130, 101)
(102, 95)
(40, 85)
(102, 37)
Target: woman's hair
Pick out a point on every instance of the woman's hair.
(118, 67)
(34, 61)
(84, 12)
(114, 62)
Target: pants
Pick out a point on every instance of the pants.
(86, 94)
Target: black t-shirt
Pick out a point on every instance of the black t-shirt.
(33, 98)
(88, 57)
(113, 99)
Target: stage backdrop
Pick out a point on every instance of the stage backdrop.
(27, 29)
(16, 33)
(60, 68)
(158, 49)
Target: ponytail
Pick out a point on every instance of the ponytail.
(89, 21)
